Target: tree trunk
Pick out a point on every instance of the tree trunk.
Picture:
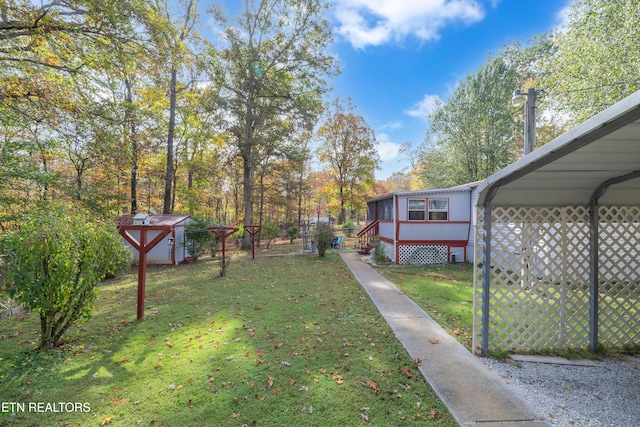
(131, 131)
(168, 180)
(343, 210)
(247, 174)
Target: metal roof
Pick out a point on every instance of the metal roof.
(568, 170)
(165, 220)
(459, 189)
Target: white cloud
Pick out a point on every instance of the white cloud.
(376, 22)
(386, 149)
(425, 107)
(562, 17)
(397, 124)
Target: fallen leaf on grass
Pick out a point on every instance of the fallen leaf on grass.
(339, 379)
(405, 371)
(373, 386)
(106, 421)
(364, 417)
(121, 361)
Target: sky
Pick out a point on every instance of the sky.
(398, 56)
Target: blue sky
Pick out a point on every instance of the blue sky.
(397, 56)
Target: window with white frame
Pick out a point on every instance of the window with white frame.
(417, 209)
(438, 209)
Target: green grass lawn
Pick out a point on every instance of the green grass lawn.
(445, 292)
(280, 341)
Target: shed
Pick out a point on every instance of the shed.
(171, 250)
(423, 227)
(557, 253)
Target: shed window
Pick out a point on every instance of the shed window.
(438, 209)
(416, 209)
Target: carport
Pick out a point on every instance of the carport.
(557, 253)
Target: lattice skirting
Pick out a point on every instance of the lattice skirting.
(423, 254)
(539, 293)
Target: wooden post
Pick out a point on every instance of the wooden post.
(142, 273)
(253, 230)
(142, 247)
(223, 233)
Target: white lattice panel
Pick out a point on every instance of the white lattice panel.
(619, 298)
(423, 255)
(539, 293)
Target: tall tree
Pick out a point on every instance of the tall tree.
(175, 39)
(348, 148)
(271, 66)
(596, 57)
(52, 51)
(473, 134)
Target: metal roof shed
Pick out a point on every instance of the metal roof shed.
(558, 244)
(171, 250)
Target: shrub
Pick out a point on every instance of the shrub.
(378, 254)
(270, 231)
(53, 263)
(323, 237)
(292, 232)
(198, 236)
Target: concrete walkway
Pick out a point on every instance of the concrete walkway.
(472, 393)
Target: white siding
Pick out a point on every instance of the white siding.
(433, 231)
(386, 230)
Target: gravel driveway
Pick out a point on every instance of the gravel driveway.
(607, 394)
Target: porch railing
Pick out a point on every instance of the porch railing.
(368, 235)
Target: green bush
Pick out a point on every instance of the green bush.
(199, 238)
(323, 237)
(53, 263)
(270, 231)
(292, 232)
(378, 254)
